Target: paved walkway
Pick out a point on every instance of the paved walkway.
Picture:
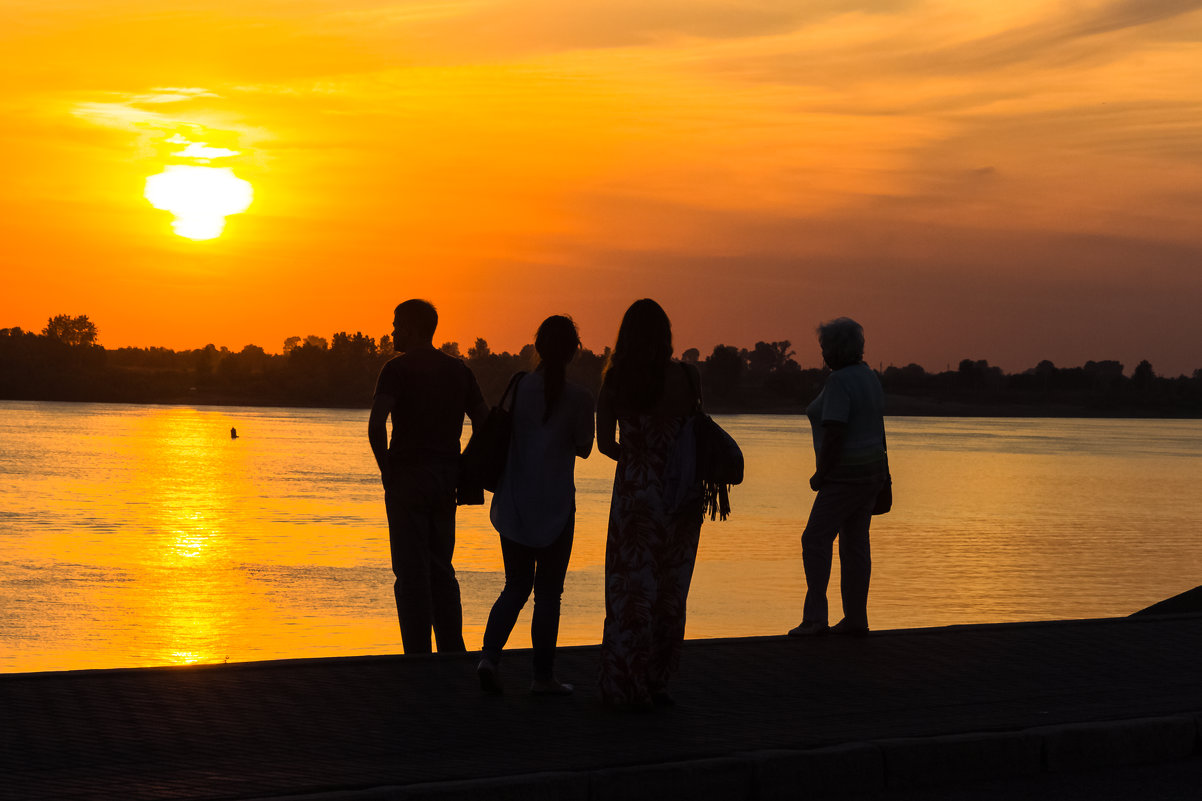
(757, 718)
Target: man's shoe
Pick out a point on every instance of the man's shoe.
(846, 629)
(809, 628)
(490, 682)
(550, 687)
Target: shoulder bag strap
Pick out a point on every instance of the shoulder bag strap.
(512, 387)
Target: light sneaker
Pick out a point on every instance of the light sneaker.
(550, 687)
(490, 682)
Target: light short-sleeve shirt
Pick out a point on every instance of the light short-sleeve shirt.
(536, 496)
(853, 396)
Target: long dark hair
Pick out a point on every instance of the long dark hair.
(557, 341)
(641, 355)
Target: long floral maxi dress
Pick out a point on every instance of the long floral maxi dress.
(649, 557)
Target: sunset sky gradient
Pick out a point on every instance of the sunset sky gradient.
(1010, 181)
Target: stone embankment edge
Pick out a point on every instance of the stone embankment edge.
(873, 767)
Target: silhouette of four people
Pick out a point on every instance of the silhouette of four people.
(645, 399)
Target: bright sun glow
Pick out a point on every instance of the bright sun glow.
(199, 197)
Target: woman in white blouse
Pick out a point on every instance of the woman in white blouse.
(534, 508)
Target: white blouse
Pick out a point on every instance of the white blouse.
(536, 496)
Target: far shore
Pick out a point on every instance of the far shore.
(895, 406)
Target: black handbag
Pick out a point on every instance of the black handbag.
(719, 459)
(483, 459)
(884, 499)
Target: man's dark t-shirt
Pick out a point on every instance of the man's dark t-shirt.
(432, 393)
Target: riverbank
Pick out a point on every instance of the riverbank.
(768, 717)
(895, 406)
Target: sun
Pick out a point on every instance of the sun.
(199, 197)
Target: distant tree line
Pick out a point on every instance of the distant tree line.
(65, 362)
(1096, 389)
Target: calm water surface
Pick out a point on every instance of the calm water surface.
(144, 535)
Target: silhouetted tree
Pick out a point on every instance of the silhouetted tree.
(1143, 376)
(204, 362)
(1105, 375)
(724, 370)
(978, 375)
(306, 372)
(78, 330)
(238, 371)
(768, 357)
(587, 368)
(352, 367)
(479, 350)
(910, 377)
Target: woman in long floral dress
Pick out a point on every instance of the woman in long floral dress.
(650, 550)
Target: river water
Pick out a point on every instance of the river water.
(135, 535)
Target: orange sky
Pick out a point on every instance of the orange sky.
(1009, 181)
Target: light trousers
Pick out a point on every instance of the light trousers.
(843, 510)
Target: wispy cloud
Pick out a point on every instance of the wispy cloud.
(117, 114)
(1061, 34)
(173, 94)
(505, 29)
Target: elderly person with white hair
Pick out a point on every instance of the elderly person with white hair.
(851, 479)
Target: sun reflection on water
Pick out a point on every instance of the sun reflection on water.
(186, 658)
(190, 546)
(190, 477)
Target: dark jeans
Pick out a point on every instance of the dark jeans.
(526, 568)
(421, 533)
(842, 509)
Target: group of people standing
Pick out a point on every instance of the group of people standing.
(646, 398)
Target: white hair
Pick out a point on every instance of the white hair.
(842, 341)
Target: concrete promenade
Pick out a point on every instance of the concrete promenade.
(921, 713)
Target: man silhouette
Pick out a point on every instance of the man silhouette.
(426, 392)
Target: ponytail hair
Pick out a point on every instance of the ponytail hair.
(556, 342)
